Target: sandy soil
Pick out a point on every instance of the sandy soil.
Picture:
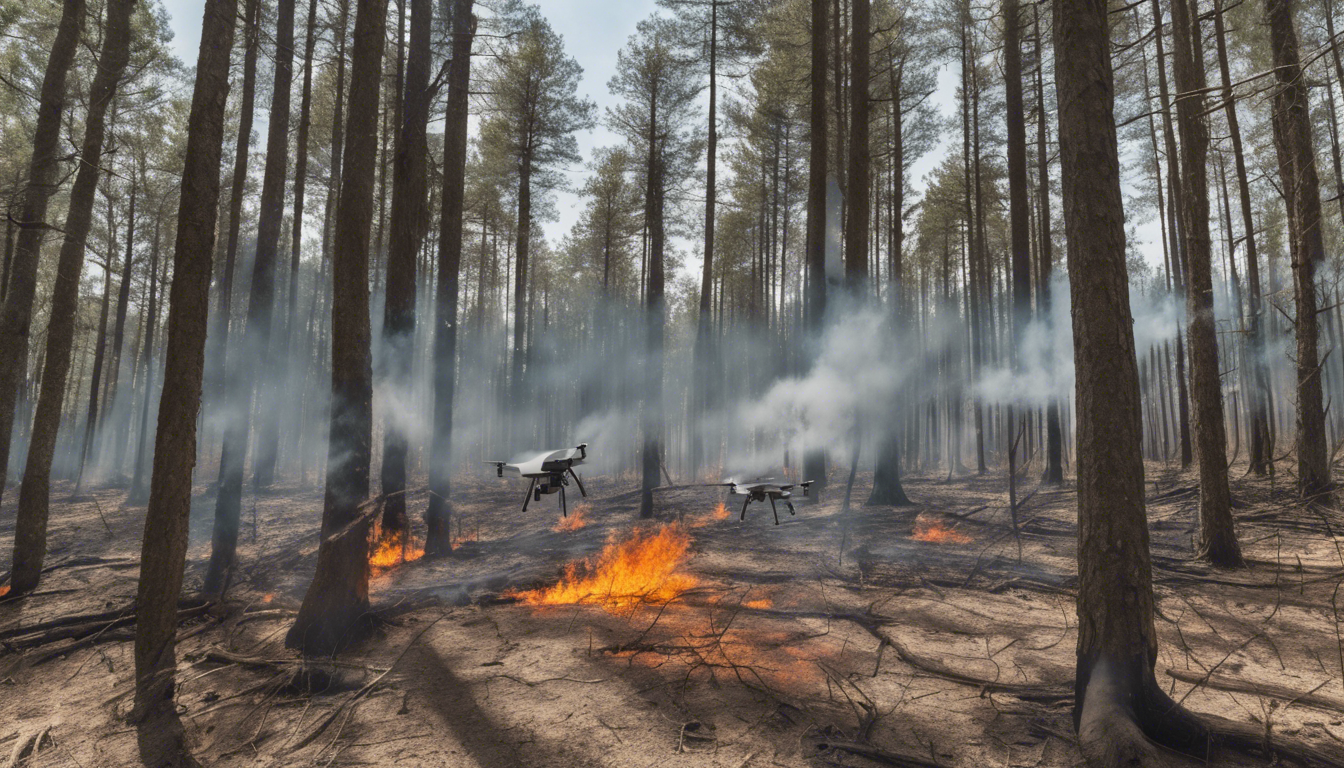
(807, 643)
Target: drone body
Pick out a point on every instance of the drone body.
(549, 472)
(765, 489)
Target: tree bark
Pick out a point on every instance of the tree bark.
(16, 315)
(335, 607)
(1054, 433)
(30, 532)
(164, 547)
(1261, 452)
(1118, 706)
(814, 457)
(1301, 186)
(1019, 212)
(219, 330)
(438, 517)
(1217, 539)
(249, 368)
(409, 186)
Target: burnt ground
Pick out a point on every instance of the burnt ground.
(827, 640)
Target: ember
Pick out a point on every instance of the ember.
(927, 529)
(392, 551)
(577, 519)
(4, 590)
(643, 567)
(268, 597)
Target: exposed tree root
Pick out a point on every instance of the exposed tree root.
(1125, 719)
(1286, 695)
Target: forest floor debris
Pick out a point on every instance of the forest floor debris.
(768, 648)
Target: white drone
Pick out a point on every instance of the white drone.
(549, 472)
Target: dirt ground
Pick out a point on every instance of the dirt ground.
(830, 639)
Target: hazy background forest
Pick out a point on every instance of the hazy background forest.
(283, 279)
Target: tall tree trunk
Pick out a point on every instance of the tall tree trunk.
(269, 227)
(887, 488)
(164, 546)
(521, 341)
(814, 457)
(1054, 434)
(653, 304)
(30, 532)
(43, 178)
(249, 367)
(1261, 452)
(337, 600)
(1019, 215)
(1217, 539)
(139, 485)
(703, 357)
(860, 161)
(409, 186)
(1178, 237)
(1301, 186)
(1118, 705)
(219, 330)
(118, 331)
(438, 520)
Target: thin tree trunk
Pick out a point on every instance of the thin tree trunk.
(1217, 539)
(249, 366)
(164, 547)
(30, 532)
(21, 275)
(409, 186)
(814, 457)
(438, 518)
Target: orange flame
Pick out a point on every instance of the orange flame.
(391, 552)
(720, 511)
(934, 531)
(268, 597)
(577, 519)
(4, 590)
(644, 567)
(760, 605)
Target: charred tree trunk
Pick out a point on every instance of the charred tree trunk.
(43, 178)
(30, 532)
(1301, 188)
(164, 547)
(1217, 539)
(336, 603)
(409, 186)
(438, 517)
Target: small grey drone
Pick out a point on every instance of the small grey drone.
(549, 471)
(763, 489)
